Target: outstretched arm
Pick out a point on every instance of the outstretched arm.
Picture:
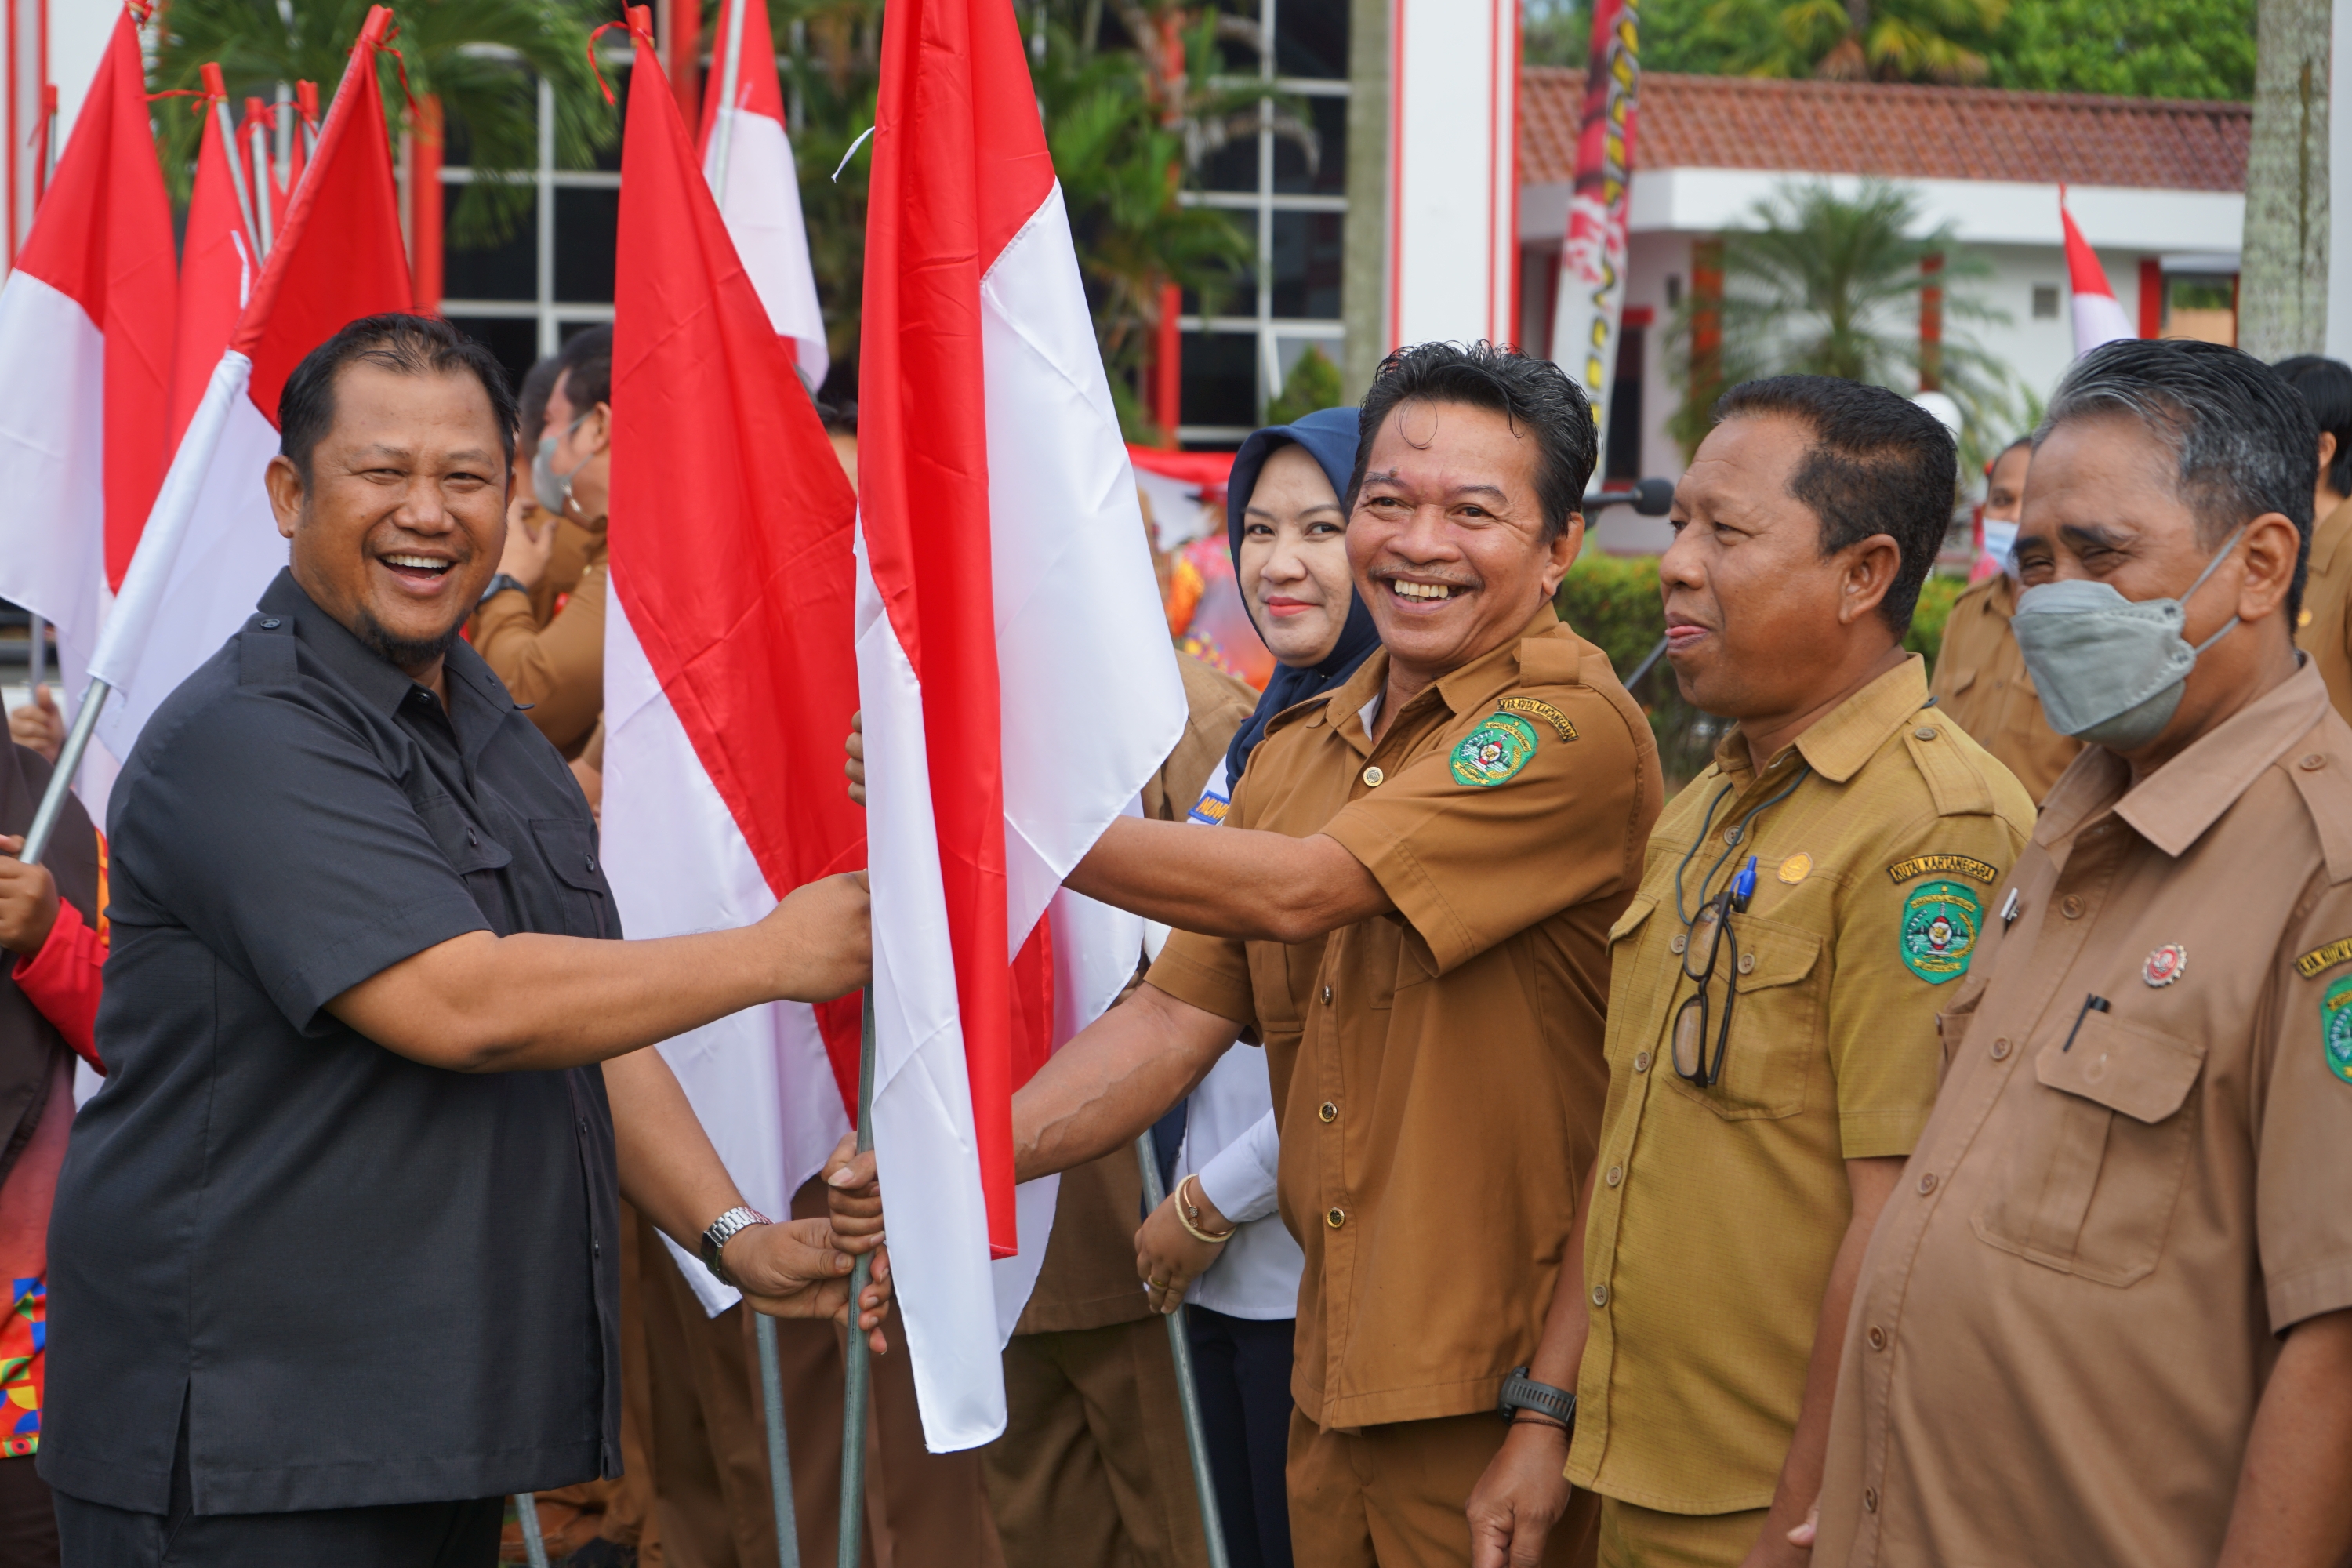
(1236, 882)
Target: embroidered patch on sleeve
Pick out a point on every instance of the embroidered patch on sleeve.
(2311, 964)
(1940, 922)
(1943, 866)
(1211, 809)
(1541, 710)
(1495, 751)
(2336, 1027)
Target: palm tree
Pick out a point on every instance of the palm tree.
(1825, 285)
(1896, 40)
(481, 57)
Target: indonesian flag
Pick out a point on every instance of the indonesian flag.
(85, 343)
(1016, 677)
(216, 269)
(729, 674)
(762, 195)
(212, 544)
(2099, 318)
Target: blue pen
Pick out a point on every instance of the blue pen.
(1743, 887)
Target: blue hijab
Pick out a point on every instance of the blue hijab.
(1329, 436)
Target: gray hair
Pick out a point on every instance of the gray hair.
(2242, 440)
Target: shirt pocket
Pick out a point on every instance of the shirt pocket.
(569, 850)
(1628, 965)
(478, 859)
(1776, 1022)
(2090, 1178)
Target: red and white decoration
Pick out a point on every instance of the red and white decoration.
(761, 199)
(999, 530)
(730, 675)
(1453, 184)
(217, 266)
(2098, 318)
(85, 337)
(211, 544)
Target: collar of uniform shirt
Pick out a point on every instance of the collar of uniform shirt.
(378, 678)
(1461, 689)
(1843, 740)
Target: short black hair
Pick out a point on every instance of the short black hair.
(1879, 464)
(1526, 390)
(1993, 462)
(530, 401)
(2243, 441)
(2326, 388)
(396, 342)
(585, 364)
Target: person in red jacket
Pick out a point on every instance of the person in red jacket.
(52, 953)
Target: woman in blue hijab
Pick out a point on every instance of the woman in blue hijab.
(1286, 520)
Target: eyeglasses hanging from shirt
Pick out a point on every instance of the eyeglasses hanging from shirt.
(1710, 927)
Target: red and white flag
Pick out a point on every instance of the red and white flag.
(217, 264)
(730, 673)
(2098, 318)
(762, 198)
(85, 350)
(1014, 662)
(211, 545)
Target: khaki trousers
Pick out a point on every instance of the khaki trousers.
(1634, 1537)
(710, 1442)
(1395, 1495)
(1092, 1469)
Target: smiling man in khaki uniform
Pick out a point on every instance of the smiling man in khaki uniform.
(1852, 836)
(2108, 1315)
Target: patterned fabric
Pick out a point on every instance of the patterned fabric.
(23, 1335)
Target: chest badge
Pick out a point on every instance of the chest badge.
(1495, 751)
(1940, 922)
(2165, 964)
(2336, 1027)
(1796, 868)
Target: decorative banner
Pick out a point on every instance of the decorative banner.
(1454, 179)
(1592, 261)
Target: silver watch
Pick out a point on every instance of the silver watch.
(723, 1229)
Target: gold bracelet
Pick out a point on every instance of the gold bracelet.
(1187, 1212)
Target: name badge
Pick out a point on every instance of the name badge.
(1209, 810)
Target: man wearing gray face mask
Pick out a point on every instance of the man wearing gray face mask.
(2108, 1315)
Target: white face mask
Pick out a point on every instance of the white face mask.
(2000, 543)
(551, 490)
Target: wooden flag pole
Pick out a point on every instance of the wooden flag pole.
(1188, 1392)
(860, 1360)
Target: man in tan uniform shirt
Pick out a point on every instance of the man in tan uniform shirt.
(1409, 904)
(1981, 678)
(1092, 1466)
(1750, 1138)
(2324, 627)
(2108, 1315)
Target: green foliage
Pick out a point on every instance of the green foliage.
(1313, 383)
(833, 76)
(481, 58)
(1937, 596)
(2144, 49)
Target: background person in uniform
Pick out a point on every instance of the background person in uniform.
(1981, 678)
(1410, 905)
(1821, 888)
(2106, 1317)
(335, 1248)
(1287, 534)
(2324, 625)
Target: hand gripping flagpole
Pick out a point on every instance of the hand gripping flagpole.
(860, 1358)
(1188, 1394)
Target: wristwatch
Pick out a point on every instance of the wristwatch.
(499, 584)
(1521, 1392)
(723, 1229)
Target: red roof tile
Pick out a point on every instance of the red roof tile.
(1897, 130)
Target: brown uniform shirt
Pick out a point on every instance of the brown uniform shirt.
(1981, 681)
(1720, 1210)
(2326, 629)
(550, 659)
(1088, 1280)
(2070, 1304)
(1437, 1073)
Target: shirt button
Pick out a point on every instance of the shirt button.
(1330, 1112)
(1335, 1218)
(1746, 963)
(1641, 1061)
(1326, 996)
(1616, 1175)
(470, 836)
(1733, 834)
(2071, 907)
(1870, 1500)
(1680, 942)
(1372, 777)
(583, 1124)
(1924, 731)
(270, 625)
(1878, 1337)
(591, 862)
(2001, 1049)
(595, 1249)
(1600, 1295)
(1927, 1183)
(2310, 762)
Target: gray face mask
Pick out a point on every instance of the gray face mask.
(2110, 670)
(551, 490)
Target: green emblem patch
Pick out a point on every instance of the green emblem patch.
(2336, 1027)
(1495, 751)
(1940, 921)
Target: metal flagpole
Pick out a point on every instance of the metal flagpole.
(53, 799)
(258, 148)
(779, 1461)
(1180, 1345)
(731, 25)
(36, 661)
(534, 1546)
(236, 165)
(861, 1370)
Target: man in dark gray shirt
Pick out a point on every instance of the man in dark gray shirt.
(334, 1255)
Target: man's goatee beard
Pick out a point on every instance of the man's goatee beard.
(410, 654)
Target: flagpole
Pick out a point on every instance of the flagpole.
(1188, 1392)
(725, 120)
(861, 1368)
(258, 149)
(534, 1545)
(37, 659)
(228, 147)
(780, 1460)
(53, 799)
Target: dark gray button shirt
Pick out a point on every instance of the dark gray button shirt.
(368, 1281)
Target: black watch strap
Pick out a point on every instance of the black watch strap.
(1521, 1392)
(499, 584)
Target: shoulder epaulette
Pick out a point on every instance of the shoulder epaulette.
(1955, 782)
(1550, 662)
(265, 652)
(2326, 797)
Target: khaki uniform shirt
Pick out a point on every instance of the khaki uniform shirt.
(2070, 1303)
(553, 660)
(1981, 681)
(1436, 1071)
(1720, 1210)
(2325, 630)
(1088, 1279)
